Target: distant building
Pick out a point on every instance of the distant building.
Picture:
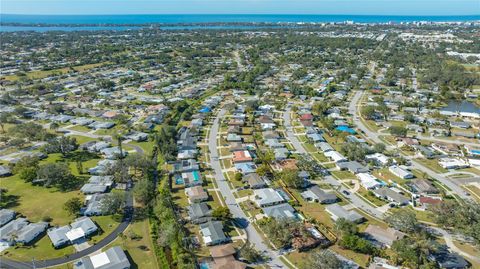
(112, 258)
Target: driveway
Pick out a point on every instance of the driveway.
(227, 193)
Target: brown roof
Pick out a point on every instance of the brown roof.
(222, 251)
(241, 156)
(430, 200)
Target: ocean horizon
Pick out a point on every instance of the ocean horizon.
(221, 18)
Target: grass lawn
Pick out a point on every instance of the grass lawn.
(474, 190)
(80, 128)
(82, 139)
(343, 175)
(107, 224)
(42, 249)
(147, 146)
(360, 259)
(36, 202)
(371, 197)
(432, 164)
(139, 250)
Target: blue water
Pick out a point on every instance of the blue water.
(461, 106)
(192, 18)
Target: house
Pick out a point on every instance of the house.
(273, 143)
(231, 137)
(242, 156)
(267, 197)
(280, 211)
(453, 163)
(392, 196)
(246, 167)
(11, 228)
(352, 166)
(378, 159)
(112, 258)
(196, 194)
(423, 186)
(192, 178)
(188, 165)
(336, 212)
(426, 202)
(223, 258)
(425, 152)
(447, 148)
(102, 167)
(84, 224)
(138, 136)
(315, 138)
(368, 181)
(93, 205)
(199, 213)
(315, 194)
(212, 233)
(254, 181)
(400, 172)
(380, 263)
(448, 260)
(6, 215)
(335, 156)
(5, 171)
(381, 236)
(113, 153)
(93, 188)
(58, 236)
(324, 146)
(27, 234)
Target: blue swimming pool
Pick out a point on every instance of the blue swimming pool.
(179, 181)
(347, 129)
(196, 176)
(204, 265)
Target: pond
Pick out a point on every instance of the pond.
(461, 106)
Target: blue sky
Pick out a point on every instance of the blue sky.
(350, 7)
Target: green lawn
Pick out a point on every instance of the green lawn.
(36, 202)
(82, 139)
(432, 164)
(42, 249)
(343, 175)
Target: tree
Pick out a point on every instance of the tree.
(404, 220)
(290, 178)
(144, 191)
(320, 108)
(63, 145)
(73, 205)
(323, 259)
(379, 147)
(345, 227)
(4, 119)
(113, 203)
(263, 169)
(250, 254)
(354, 151)
(368, 112)
(17, 142)
(26, 168)
(398, 131)
(56, 174)
(54, 126)
(238, 176)
(222, 213)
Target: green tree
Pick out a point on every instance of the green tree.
(398, 131)
(404, 220)
(250, 254)
(144, 191)
(238, 176)
(57, 174)
(73, 205)
(323, 259)
(222, 213)
(368, 112)
(290, 178)
(113, 203)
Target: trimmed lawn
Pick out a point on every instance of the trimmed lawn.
(80, 128)
(42, 249)
(140, 250)
(36, 202)
(432, 164)
(82, 139)
(343, 175)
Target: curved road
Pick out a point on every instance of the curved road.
(235, 209)
(12, 264)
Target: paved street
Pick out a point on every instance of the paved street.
(356, 201)
(373, 136)
(235, 209)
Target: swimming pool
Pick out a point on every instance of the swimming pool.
(204, 265)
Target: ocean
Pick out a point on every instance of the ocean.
(192, 19)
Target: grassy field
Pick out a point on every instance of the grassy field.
(36, 202)
(43, 74)
(432, 164)
(138, 249)
(42, 249)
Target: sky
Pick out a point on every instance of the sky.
(344, 7)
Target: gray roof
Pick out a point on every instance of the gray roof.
(58, 235)
(254, 180)
(281, 211)
(113, 258)
(391, 195)
(213, 230)
(86, 224)
(94, 205)
(315, 193)
(6, 215)
(28, 233)
(338, 212)
(353, 166)
(5, 171)
(199, 212)
(267, 196)
(12, 227)
(93, 188)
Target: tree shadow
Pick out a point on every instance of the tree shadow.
(9, 200)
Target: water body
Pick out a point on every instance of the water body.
(461, 106)
(192, 18)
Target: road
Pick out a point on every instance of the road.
(356, 201)
(449, 242)
(11, 264)
(235, 209)
(374, 136)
